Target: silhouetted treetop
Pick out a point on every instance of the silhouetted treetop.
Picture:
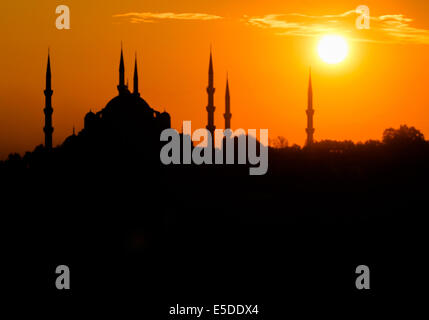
(403, 136)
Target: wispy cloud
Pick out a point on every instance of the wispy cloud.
(144, 17)
(389, 28)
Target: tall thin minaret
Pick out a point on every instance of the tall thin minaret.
(136, 79)
(122, 88)
(227, 115)
(48, 129)
(310, 113)
(210, 106)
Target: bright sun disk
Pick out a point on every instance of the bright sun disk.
(332, 49)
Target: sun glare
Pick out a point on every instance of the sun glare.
(332, 49)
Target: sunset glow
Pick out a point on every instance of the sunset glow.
(266, 49)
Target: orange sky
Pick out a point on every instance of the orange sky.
(266, 47)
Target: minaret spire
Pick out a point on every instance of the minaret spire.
(227, 115)
(136, 79)
(211, 75)
(210, 92)
(310, 113)
(48, 129)
(48, 72)
(121, 86)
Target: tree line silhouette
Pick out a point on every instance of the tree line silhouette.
(404, 142)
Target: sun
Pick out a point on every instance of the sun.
(332, 49)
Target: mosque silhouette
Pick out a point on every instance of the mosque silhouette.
(127, 124)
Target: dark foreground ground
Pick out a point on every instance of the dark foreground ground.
(143, 240)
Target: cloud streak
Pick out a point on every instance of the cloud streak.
(151, 17)
(389, 28)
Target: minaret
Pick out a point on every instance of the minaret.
(136, 79)
(310, 113)
(210, 107)
(121, 86)
(48, 129)
(227, 115)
